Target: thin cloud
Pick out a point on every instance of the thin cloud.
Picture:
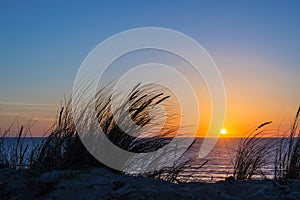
(17, 106)
(20, 103)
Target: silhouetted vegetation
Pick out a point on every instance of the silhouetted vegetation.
(13, 152)
(252, 154)
(62, 148)
(287, 162)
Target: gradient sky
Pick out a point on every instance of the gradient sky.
(256, 46)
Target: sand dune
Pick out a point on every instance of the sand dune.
(103, 184)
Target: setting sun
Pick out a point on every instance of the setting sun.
(223, 132)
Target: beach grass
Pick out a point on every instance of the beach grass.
(62, 148)
(287, 161)
(252, 154)
(15, 154)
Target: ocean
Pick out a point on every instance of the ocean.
(220, 161)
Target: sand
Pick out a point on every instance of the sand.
(103, 184)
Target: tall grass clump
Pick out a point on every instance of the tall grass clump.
(14, 152)
(138, 136)
(63, 148)
(136, 124)
(252, 155)
(287, 161)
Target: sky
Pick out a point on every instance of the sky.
(255, 44)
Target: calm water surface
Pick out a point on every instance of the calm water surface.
(218, 167)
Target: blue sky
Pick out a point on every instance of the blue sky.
(255, 44)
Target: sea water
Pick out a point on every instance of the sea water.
(220, 161)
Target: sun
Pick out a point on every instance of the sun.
(223, 131)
